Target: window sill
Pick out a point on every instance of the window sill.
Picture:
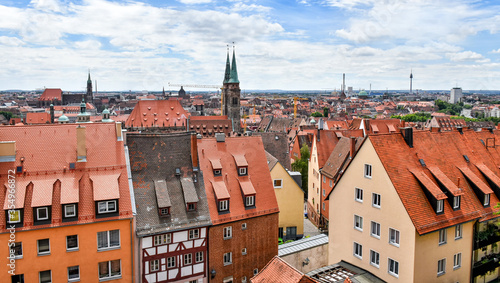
(359, 229)
(227, 263)
(359, 200)
(443, 243)
(72, 250)
(227, 238)
(43, 254)
(376, 206)
(458, 238)
(18, 257)
(108, 249)
(368, 177)
(393, 274)
(74, 280)
(441, 274)
(456, 267)
(394, 244)
(110, 278)
(358, 257)
(375, 236)
(374, 265)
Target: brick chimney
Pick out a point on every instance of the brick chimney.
(52, 113)
(194, 150)
(408, 135)
(352, 147)
(81, 146)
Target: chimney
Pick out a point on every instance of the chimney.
(367, 124)
(435, 129)
(220, 137)
(52, 113)
(81, 147)
(403, 123)
(319, 133)
(119, 135)
(194, 150)
(408, 136)
(7, 151)
(352, 147)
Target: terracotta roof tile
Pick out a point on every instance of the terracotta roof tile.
(69, 190)
(447, 183)
(42, 192)
(20, 193)
(430, 186)
(475, 179)
(279, 271)
(51, 94)
(240, 160)
(247, 187)
(220, 190)
(105, 186)
(489, 174)
(168, 113)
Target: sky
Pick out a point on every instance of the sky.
(279, 44)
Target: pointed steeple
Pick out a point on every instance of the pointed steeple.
(227, 73)
(89, 81)
(234, 73)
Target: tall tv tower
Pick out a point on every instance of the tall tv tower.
(411, 81)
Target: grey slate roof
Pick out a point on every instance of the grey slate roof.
(302, 244)
(277, 145)
(154, 158)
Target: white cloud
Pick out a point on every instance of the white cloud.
(194, 2)
(10, 41)
(466, 56)
(88, 44)
(47, 5)
(246, 8)
(496, 51)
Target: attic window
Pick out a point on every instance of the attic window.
(164, 211)
(19, 169)
(439, 206)
(224, 205)
(422, 162)
(72, 166)
(486, 200)
(456, 202)
(466, 158)
(242, 171)
(191, 206)
(217, 172)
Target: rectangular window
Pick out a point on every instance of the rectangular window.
(242, 171)
(154, 265)
(72, 243)
(74, 273)
(456, 202)
(486, 200)
(243, 226)
(324, 206)
(106, 206)
(393, 267)
(394, 237)
(14, 216)
(458, 232)
(358, 194)
(324, 179)
(199, 257)
(374, 258)
(194, 234)
(278, 183)
(442, 237)
(244, 251)
(331, 183)
(17, 249)
(358, 250)
(358, 222)
(70, 210)
(324, 192)
(191, 206)
(43, 247)
(223, 205)
(162, 239)
(108, 239)
(375, 200)
(441, 266)
(368, 171)
(228, 232)
(42, 213)
(188, 259)
(228, 258)
(439, 206)
(375, 230)
(250, 201)
(110, 269)
(171, 262)
(164, 211)
(457, 261)
(45, 276)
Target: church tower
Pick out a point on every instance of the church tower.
(89, 96)
(231, 93)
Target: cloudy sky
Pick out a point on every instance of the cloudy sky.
(290, 45)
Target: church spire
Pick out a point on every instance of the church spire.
(89, 81)
(227, 73)
(234, 72)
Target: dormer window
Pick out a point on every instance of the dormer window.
(242, 171)
(165, 211)
(191, 206)
(486, 200)
(224, 205)
(14, 216)
(250, 200)
(456, 202)
(439, 206)
(42, 214)
(217, 172)
(108, 206)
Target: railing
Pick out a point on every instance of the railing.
(487, 264)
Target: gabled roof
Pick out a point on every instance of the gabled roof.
(279, 271)
(258, 174)
(443, 150)
(50, 94)
(157, 113)
(325, 145)
(37, 118)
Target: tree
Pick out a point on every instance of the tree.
(302, 165)
(6, 114)
(325, 112)
(316, 114)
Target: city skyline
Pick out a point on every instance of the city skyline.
(144, 45)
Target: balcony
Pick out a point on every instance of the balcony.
(487, 264)
(484, 238)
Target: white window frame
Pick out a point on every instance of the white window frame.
(394, 237)
(242, 171)
(38, 247)
(77, 243)
(441, 269)
(375, 258)
(458, 231)
(324, 179)
(358, 225)
(368, 171)
(66, 212)
(199, 256)
(250, 200)
(194, 234)
(255, 271)
(375, 228)
(227, 258)
(171, 262)
(228, 232)
(357, 250)
(188, 259)
(109, 269)
(443, 237)
(486, 201)
(154, 265)
(243, 226)
(38, 209)
(165, 211)
(40, 275)
(162, 239)
(280, 183)
(324, 206)
(439, 206)
(106, 208)
(331, 183)
(244, 251)
(324, 192)
(74, 279)
(394, 265)
(109, 240)
(456, 202)
(376, 200)
(358, 195)
(223, 205)
(457, 261)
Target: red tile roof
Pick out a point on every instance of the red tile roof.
(37, 118)
(157, 113)
(51, 94)
(258, 174)
(446, 151)
(325, 145)
(279, 271)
